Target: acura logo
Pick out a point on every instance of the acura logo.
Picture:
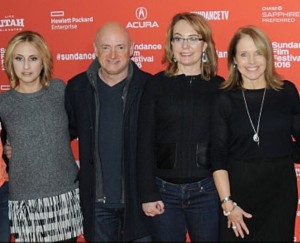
(141, 13)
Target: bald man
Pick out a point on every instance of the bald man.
(102, 104)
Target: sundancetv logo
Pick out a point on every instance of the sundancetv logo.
(216, 15)
(142, 21)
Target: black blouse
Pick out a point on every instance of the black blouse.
(173, 131)
(232, 133)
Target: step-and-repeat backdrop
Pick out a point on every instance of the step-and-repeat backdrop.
(69, 27)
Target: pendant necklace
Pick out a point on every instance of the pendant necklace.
(255, 136)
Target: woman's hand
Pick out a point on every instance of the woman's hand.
(153, 208)
(236, 219)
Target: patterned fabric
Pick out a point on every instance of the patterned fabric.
(49, 219)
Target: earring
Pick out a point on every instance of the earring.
(174, 59)
(234, 66)
(204, 57)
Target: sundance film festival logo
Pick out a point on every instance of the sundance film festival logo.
(141, 15)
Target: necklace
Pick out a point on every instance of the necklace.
(255, 136)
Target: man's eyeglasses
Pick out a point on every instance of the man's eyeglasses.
(193, 40)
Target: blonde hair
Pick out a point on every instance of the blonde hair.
(264, 45)
(202, 27)
(39, 43)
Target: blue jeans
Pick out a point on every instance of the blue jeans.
(192, 208)
(4, 221)
(109, 225)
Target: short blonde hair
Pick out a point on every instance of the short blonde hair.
(39, 43)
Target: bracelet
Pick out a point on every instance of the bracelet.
(226, 199)
(229, 212)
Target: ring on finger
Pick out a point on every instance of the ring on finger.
(233, 227)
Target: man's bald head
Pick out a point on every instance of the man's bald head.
(113, 48)
(112, 28)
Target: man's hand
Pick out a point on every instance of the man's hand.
(7, 150)
(153, 208)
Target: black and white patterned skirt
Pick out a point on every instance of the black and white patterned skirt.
(49, 219)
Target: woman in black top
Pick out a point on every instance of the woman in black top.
(175, 180)
(255, 120)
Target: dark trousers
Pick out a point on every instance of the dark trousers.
(109, 225)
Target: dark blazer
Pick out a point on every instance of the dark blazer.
(174, 131)
(82, 105)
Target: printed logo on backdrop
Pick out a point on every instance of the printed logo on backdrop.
(216, 15)
(285, 53)
(139, 57)
(2, 53)
(141, 13)
(222, 54)
(11, 23)
(76, 56)
(140, 49)
(61, 22)
(3, 87)
(277, 14)
(142, 21)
